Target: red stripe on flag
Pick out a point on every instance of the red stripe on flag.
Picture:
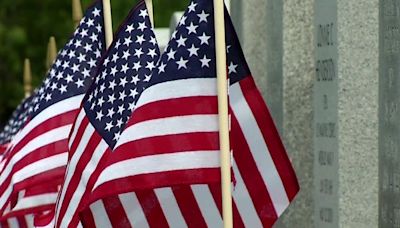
(165, 145)
(175, 107)
(77, 139)
(48, 125)
(251, 176)
(271, 136)
(116, 212)
(22, 222)
(43, 219)
(53, 177)
(188, 206)
(91, 145)
(36, 155)
(148, 181)
(152, 209)
(87, 218)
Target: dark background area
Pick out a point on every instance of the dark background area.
(25, 28)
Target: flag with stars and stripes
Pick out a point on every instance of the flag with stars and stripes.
(120, 79)
(14, 124)
(176, 112)
(39, 152)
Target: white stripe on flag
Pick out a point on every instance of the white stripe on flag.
(100, 215)
(40, 141)
(243, 201)
(79, 191)
(4, 197)
(29, 220)
(41, 166)
(159, 163)
(178, 89)
(169, 126)
(170, 207)
(56, 109)
(12, 222)
(259, 149)
(34, 201)
(133, 209)
(75, 159)
(207, 205)
(76, 127)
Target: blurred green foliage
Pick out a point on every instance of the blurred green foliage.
(25, 27)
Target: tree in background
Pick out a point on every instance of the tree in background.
(25, 27)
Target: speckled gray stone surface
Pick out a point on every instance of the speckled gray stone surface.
(358, 112)
(298, 75)
(277, 38)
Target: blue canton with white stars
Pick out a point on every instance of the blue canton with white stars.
(16, 122)
(191, 51)
(71, 73)
(122, 76)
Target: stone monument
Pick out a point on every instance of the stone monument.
(346, 114)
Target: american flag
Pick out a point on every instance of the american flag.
(39, 151)
(121, 77)
(265, 181)
(14, 124)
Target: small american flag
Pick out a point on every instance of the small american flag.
(265, 180)
(38, 152)
(14, 124)
(121, 77)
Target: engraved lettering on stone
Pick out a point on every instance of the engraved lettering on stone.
(325, 101)
(325, 70)
(390, 8)
(326, 186)
(391, 78)
(326, 215)
(391, 109)
(325, 158)
(326, 130)
(391, 39)
(325, 35)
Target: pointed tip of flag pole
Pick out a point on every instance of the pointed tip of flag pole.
(149, 6)
(107, 22)
(76, 12)
(27, 78)
(47, 62)
(51, 51)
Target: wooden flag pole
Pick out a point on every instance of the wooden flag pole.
(48, 63)
(149, 6)
(107, 22)
(52, 50)
(222, 83)
(27, 78)
(76, 12)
